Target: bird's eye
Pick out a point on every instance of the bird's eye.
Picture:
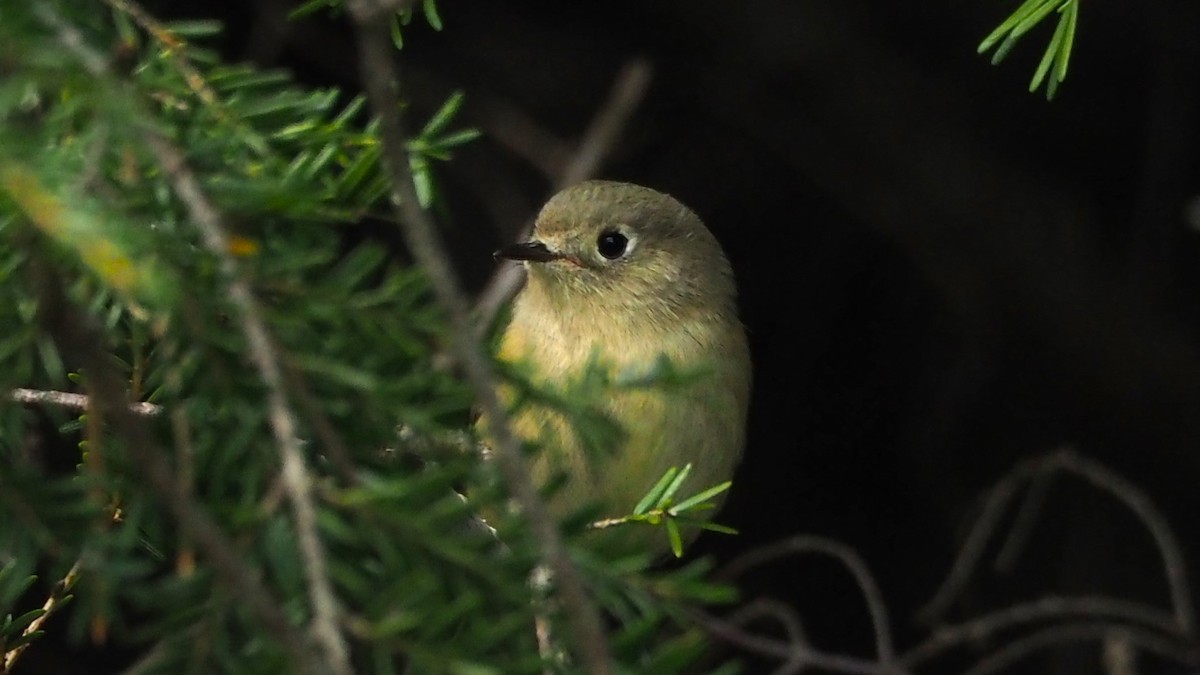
(612, 244)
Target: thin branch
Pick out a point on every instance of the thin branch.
(515, 130)
(336, 449)
(963, 567)
(163, 649)
(379, 78)
(1024, 522)
(1118, 656)
(73, 401)
(808, 544)
(1045, 609)
(75, 334)
(185, 463)
(628, 90)
(1140, 504)
(1014, 652)
(1102, 478)
(297, 481)
(787, 620)
(602, 133)
(53, 602)
(796, 655)
(295, 475)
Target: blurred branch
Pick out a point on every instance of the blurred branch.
(380, 79)
(335, 448)
(297, 481)
(796, 653)
(295, 475)
(1122, 613)
(53, 602)
(154, 657)
(1144, 509)
(1006, 657)
(75, 335)
(601, 135)
(73, 401)
(512, 128)
(1171, 634)
(1068, 461)
(172, 46)
(628, 90)
(976, 542)
(1024, 521)
(809, 544)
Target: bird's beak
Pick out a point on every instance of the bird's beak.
(533, 251)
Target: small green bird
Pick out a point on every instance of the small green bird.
(621, 276)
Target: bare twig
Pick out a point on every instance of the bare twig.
(964, 565)
(73, 401)
(626, 94)
(53, 602)
(1068, 461)
(297, 481)
(796, 655)
(1024, 522)
(162, 650)
(335, 447)
(379, 78)
(512, 128)
(809, 544)
(1120, 612)
(185, 463)
(1140, 504)
(787, 620)
(1118, 655)
(1151, 641)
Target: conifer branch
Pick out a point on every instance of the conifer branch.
(75, 335)
(53, 602)
(379, 76)
(297, 481)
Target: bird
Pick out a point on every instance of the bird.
(621, 277)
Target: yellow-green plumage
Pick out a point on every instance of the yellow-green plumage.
(670, 294)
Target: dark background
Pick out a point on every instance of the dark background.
(942, 274)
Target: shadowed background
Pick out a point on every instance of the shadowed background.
(941, 274)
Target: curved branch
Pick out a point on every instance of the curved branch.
(1045, 609)
(849, 559)
(1011, 654)
(379, 79)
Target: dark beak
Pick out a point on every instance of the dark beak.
(533, 251)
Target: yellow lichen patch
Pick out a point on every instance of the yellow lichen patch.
(243, 247)
(110, 262)
(42, 208)
(103, 241)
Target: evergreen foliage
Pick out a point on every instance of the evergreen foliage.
(107, 279)
(1052, 69)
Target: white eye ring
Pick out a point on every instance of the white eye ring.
(615, 243)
